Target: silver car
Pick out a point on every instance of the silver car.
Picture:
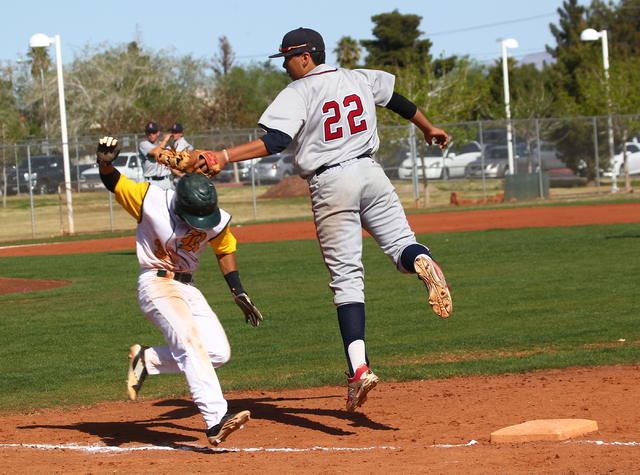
(227, 174)
(275, 167)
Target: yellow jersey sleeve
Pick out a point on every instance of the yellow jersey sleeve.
(224, 243)
(131, 196)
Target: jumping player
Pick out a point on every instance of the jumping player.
(332, 114)
(174, 228)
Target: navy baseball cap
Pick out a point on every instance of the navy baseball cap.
(176, 128)
(151, 127)
(302, 40)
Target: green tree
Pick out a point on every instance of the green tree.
(117, 89)
(348, 52)
(241, 96)
(223, 61)
(570, 54)
(397, 41)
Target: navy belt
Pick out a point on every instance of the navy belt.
(179, 276)
(156, 178)
(324, 168)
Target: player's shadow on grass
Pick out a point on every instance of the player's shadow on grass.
(165, 429)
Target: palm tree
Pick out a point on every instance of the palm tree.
(41, 63)
(349, 52)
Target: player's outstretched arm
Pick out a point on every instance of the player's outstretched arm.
(254, 149)
(408, 110)
(431, 134)
(229, 268)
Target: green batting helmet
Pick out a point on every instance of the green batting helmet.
(196, 202)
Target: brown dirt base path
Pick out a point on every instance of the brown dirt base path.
(436, 426)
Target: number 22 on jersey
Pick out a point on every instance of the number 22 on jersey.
(333, 123)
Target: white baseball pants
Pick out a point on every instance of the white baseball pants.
(197, 341)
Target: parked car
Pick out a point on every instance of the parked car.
(227, 174)
(47, 172)
(559, 173)
(127, 163)
(496, 162)
(633, 160)
(274, 168)
(442, 164)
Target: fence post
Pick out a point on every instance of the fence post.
(77, 165)
(484, 189)
(414, 164)
(33, 219)
(253, 183)
(595, 152)
(541, 194)
(110, 209)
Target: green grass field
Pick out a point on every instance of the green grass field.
(523, 299)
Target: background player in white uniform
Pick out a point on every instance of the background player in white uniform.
(154, 172)
(174, 228)
(332, 114)
(179, 144)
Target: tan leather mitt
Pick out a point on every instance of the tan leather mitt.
(187, 161)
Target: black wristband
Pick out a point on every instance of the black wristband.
(233, 281)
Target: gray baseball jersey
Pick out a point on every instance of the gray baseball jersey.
(332, 112)
(182, 144)
(150, 167)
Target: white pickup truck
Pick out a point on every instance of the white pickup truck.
(127, 163)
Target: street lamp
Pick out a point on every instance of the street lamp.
(510, 43)
(592, 35)
(43, 41)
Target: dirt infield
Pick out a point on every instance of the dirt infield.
(435, 426)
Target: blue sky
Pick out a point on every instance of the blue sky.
(255, 29)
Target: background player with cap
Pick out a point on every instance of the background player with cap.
(331, 112)
(179, 144)
(154, 172)
(174, 228)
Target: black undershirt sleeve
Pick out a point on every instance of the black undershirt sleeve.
(275, 140)
(111, 180)
(402, 106)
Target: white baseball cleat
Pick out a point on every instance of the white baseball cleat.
(359, 386)
(439, 292)
(137, 371)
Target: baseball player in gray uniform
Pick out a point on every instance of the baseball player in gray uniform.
(174, 229)
(154, 172)
(332, 114)
(179, 144)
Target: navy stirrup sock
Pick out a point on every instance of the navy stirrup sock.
(409, 255)
(352, 322)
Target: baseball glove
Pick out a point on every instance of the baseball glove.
(251, 313)
(108, 149)
(187, 161)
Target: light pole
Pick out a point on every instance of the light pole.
(592, 35)
(510, 43)
(43, 41)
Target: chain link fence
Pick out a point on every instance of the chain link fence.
(484, 160)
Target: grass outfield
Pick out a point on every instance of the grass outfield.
(523, 300)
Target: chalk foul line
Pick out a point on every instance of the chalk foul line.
(101, 449)
(98, 449)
